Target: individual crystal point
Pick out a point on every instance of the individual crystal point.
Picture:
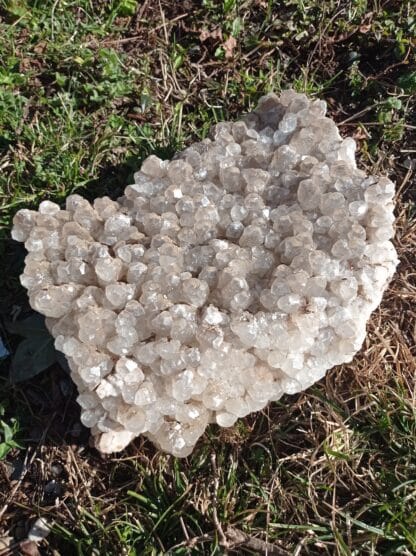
(241, 270)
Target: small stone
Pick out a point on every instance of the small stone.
(39, 530)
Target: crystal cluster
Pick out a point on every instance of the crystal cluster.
(239, 271)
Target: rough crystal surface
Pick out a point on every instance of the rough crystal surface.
(239, 271)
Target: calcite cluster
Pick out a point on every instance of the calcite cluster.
(239, 271)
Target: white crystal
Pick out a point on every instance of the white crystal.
(288, 123)
(39, 530)
(239, 271)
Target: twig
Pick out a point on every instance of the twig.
(194, 541)
(184, 529)
(238, 538)
(163, 25)
(27, 462)
(386, 70)
(223, 538)
(134, 37)
(142, 10)
(358, 114)
(404, 182)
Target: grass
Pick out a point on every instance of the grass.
(87, 90)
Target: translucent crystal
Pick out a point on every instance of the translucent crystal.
(108, 269)
(309, 194)
(289, 303)
(46, 207)
(288, 123)
(237, 272)
(154, 167)
(132, 418)
(119, 294)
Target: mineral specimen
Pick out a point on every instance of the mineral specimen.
(239, 271)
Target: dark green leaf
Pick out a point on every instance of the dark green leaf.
(7, 431)
(4, 450)
(30, 327)
(32, 356)
(62, 361)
